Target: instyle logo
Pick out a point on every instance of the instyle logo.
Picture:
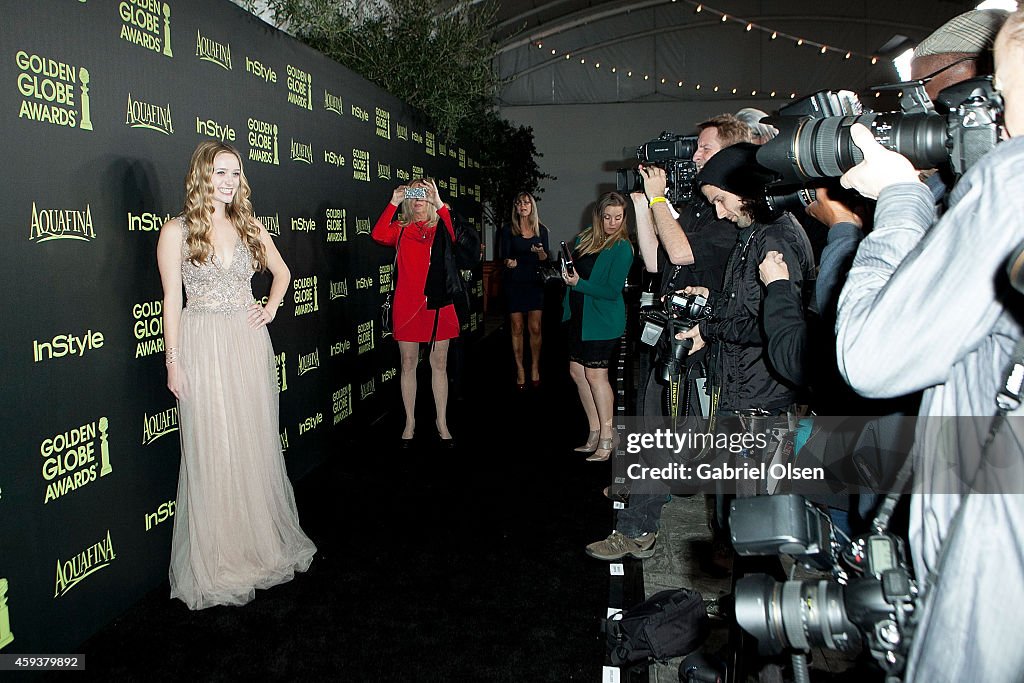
(364, 283)
(147, 23)
(305, 295)
(302, 152)
(70, 458)
(162, 514)
(417, 138)
(359, 113)
(360, 165)
(383, 171)
(401, 131)
(430, 144)
(300, 87)
(66, 345)
(367, 388)
(159, 424)
(334, 158)
(303, 225)
(272, 224)
(150, 116)
(263, 142)
(364, 337)
(94, 558)
(339, 290)
(383, 121)
(384, 276)
(61, 224)
(53, 92)
(209, 50)
(146, 221)
(334, 103)
(149, 327)
(309, 362)
(337, 227)
(341, 402)
(340, 347)
(388, 374)
(209, 128)
(260, 71)
(402, 174)
(363, 226)
(311, 423)
(281, 371)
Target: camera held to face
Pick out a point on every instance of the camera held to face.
(674, 154)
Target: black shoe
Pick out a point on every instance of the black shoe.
(405, 444)
(448, 443)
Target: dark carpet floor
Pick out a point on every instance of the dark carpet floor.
(432, 565)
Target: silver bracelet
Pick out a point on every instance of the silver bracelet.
(171, 355)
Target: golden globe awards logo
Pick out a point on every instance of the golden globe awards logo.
(309, 362)
(263, 142)
(334, 103)
(272, 224)
(359, 113)
(341, 402)
(311, 423)
(417, 172)
(303, 224)
(300, 87)
(360, 165)
(340, 347)
(150, 116)
(146, 23)
(333, 158)
(305, 295)
(54, 92)
(364, 337)
(462, 158)
(149, 328)
(6, 636)
(163, 513)
(363, 226)
(302, 152)
(384, 276)
(61, 224)
(401, 131)
(260, 70)
(382, 119)
(159, 424)
(209, 128)
(146, 221)
(94, 558)
(367, 388)
(70, 458)
(337, 229)
(339, 290)
(383, 171)
(69, 344)
(430, 144)
(281, 371)
(209, 50)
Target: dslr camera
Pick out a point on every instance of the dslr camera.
(671, 152)
(814, 140)
(677, 312)
(868, 603)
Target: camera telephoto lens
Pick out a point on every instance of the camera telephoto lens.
(795, 615)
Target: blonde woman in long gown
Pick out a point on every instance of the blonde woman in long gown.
(236, 527)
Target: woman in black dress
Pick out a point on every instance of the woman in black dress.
(524, 244)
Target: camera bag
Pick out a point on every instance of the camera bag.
(668, 624)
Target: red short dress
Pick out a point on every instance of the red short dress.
(413, 321)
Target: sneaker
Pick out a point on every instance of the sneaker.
(617, 546)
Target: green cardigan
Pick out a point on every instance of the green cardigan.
(604, 311)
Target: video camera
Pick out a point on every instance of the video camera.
(814, 133)
(673, 153)
(677, 312)
(867, 603)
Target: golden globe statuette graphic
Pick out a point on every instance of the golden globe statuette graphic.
(105, 467)
(83, 75)
(167, 30)
(6, 636)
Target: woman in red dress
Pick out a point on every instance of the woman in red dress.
(412, 234)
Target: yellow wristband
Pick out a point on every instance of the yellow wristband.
(656, 200)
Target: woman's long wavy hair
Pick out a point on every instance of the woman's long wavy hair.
(406, 213)
(593, 239)
(533, 218)
(198, 211)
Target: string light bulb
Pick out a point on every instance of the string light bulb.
(874, 60)
(775, 34)
(700, 7)
(800, 41)
(847, 55)
(725, 18)
(824, 49)
(552, 51)
(750, 26)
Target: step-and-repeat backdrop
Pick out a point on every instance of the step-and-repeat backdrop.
(103, 102)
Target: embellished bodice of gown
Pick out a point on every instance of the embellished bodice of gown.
(212, 287)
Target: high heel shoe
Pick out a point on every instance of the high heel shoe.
(404, 443)
(535, 383)
(521, 387)
(591, 445)
(608, 446)
(448, 443)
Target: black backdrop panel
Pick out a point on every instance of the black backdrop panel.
(103, 103)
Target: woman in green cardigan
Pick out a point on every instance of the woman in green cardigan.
(596, 313)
